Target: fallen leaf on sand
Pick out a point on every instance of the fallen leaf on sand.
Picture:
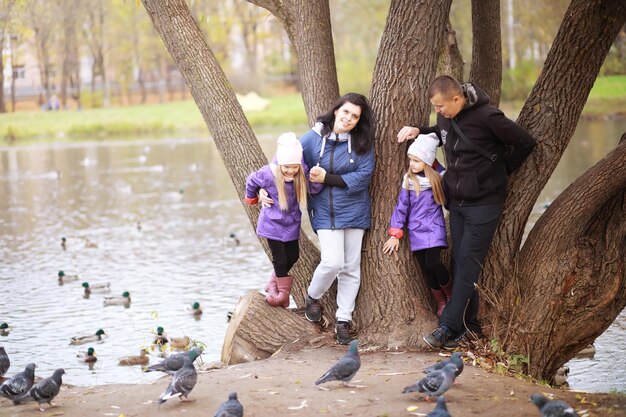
(412, 408)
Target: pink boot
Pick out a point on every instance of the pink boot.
(440, 299)
(284, 289)
(271, 288)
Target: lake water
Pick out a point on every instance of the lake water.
(161, 213)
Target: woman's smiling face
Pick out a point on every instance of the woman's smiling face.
(346, 117)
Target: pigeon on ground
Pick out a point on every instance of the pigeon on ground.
(182, 383)
(435, 383)
(345, 368)
(4, 362)
(456, 359)
(16, 387)
(230, 408)
(552, 408)
(173, 363)
(45, 390)
(441, 410)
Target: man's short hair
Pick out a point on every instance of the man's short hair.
(445, 85)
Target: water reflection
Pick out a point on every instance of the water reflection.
(161, 220)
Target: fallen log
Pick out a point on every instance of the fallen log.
(258, 330)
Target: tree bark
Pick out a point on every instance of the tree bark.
(486, 69)
(393, 308)
(583, 263)
(257, 330)
(308, 26)
(450, 59)
(550, 114)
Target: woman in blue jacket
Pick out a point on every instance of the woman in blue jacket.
(339, 149)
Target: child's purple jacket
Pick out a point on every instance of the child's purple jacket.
(274, 223)
(423, 218)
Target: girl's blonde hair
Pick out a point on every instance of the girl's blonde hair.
(299, 187)
(435, 179)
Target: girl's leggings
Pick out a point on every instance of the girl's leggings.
(436, 273)
(284, 255)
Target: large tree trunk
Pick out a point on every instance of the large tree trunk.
(550, 114)
(393, 305)
(486, 69)
(308, 26)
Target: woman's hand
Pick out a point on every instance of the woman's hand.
(317, 174)
(407, 133)
(265, 199)
(391, 245)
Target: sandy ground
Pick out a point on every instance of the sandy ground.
(284, 386)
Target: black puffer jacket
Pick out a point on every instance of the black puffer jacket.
(471, 178)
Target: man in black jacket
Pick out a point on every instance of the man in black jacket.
(482, 146)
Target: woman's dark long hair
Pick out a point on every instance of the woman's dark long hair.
(362, 136)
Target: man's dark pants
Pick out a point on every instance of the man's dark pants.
(472, 229)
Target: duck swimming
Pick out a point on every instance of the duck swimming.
(180, 343)
(81, 340)
(87, 357)
(160, 338)
(5, 329)
(63, 277)
(118, 300)
(142, 359)
(196, 310)
(96, 288)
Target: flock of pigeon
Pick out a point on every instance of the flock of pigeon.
(439, 378)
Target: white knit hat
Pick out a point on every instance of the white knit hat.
(425, 148)
(288, 149)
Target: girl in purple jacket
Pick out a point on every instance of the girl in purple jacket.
(419, 208)
(285, 182)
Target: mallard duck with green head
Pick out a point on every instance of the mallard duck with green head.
(160, 338)
(118, 300)
(141, 359)
(96, 288)
(63, 277)
(81, 340)
(196, 310)
(87, 357)
(5, 329)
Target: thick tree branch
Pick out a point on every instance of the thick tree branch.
(579, 203)
(486, 69)
(308, 26)
(551, 114)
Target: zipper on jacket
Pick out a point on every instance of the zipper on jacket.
(330, 191)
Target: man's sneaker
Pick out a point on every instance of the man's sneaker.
(313, 310)
(343, 333)
(464, 336)
(454, 342)
(438, 337)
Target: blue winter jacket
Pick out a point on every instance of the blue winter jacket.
(336, 207)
